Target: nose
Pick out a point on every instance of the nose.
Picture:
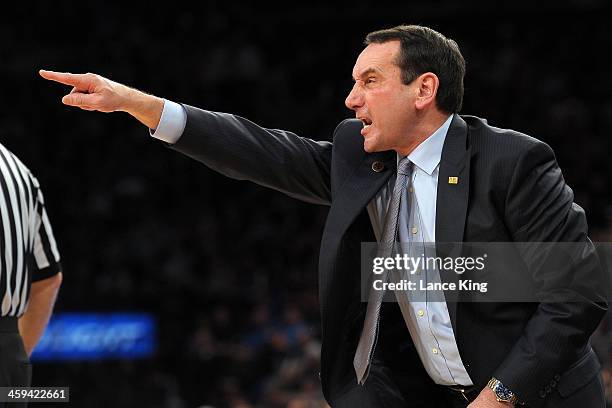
(354, 100)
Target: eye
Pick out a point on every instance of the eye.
(370, 80)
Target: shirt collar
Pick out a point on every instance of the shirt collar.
(427, 155)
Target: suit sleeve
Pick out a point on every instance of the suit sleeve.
(540, 208)
(242, 150)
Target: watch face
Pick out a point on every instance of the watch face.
(503, 393)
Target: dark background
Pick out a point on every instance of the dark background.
(229, 268)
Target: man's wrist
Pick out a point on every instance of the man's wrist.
(144, 107)
(501, 392)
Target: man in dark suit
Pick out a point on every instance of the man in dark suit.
(472, 182)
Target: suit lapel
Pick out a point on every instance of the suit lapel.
(357, 191)
(453, 195)
(350, 199)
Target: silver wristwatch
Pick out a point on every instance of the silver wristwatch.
(502, 393)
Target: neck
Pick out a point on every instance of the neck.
(421, 131)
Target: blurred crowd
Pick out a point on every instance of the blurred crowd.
(230, 269)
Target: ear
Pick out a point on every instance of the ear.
(427, 90)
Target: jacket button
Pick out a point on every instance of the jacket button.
(548, 389)
(378, 166)
(553, 383)
(542, 394)
(557, 377)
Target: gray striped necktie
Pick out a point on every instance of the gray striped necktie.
(369, 333)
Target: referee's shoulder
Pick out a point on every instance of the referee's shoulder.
(24, 170)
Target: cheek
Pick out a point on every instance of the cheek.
(399, 112)
(391, 118)
(391, 107)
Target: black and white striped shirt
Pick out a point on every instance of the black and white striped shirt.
(28, 251)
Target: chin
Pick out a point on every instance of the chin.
(371, 147)
(368, 145)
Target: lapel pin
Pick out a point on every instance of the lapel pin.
(453, 180)
(378, 166)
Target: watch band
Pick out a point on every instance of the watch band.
(502, 393)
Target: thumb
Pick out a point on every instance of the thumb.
(78, 99)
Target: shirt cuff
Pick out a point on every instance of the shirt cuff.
(171, 124)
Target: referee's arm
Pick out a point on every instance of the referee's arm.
(33, 322)
(46, 278)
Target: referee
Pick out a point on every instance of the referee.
(30, 274)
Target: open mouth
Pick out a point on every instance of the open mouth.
(366, 122)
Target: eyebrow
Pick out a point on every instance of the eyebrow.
(369, 71)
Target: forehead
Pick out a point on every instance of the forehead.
(380, 57)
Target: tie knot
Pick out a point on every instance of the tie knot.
(404, 167)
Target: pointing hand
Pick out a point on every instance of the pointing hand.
(95, 93)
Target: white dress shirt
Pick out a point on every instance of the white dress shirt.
(429, 323)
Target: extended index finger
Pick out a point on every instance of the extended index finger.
(80, 81)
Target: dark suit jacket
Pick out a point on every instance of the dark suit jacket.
(510, 189)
